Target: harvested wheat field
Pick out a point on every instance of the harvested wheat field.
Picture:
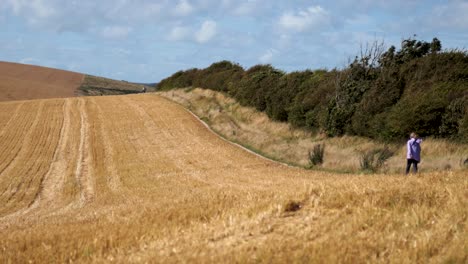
(137, 178)
(25, 82)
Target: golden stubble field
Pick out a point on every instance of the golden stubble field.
(133, 179)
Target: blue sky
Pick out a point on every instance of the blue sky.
(145, 41)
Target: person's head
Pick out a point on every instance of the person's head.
(413, 135)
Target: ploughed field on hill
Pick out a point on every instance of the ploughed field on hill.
(137, 178)
(24, 82)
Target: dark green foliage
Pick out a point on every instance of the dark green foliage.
(309, 106)
(412, 49)
(281, 96)
(255, 85)
(219, 76)
(351, 86)
(316, 155)
(455, 119)
(179, 79)
(381, 94)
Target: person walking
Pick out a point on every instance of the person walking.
(413, 154)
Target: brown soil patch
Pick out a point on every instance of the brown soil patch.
(26, 82)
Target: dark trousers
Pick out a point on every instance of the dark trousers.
(415, 165)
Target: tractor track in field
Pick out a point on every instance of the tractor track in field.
(113, 179)
(52, 183)
(83, 171)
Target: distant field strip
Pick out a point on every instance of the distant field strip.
(137, 178)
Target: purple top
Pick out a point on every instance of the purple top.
(414, 149)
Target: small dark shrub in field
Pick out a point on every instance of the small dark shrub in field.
(465, 163)
(292, 206)
(373, 159)
(316, 155)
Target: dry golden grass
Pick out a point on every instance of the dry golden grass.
(25, 82)
(135, 179)
(283, 142)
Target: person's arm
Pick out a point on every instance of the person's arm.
(409, 154)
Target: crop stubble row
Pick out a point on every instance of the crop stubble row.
(124, 137)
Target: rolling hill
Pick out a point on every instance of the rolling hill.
(26, 82)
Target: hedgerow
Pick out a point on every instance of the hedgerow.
(381, 94)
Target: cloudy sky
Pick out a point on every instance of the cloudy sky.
(147, 40)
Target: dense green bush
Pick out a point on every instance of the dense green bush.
(253, 88)
(219, 76)
(309, 106)
(281, 96)
(381, 94)
(179, 79)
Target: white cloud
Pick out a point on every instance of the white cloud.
(312, 18)
(183, 8)
(86, 15)
(152, 9)
(245, 8)
(16, 5)
(240, 7)
(207, 31)
(33, 10)
(179, 33)
(285, 41)
(451, 15)
(115, 32)
(226, 3)
(267, 57)
(41, 9)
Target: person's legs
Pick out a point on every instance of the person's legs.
(408, 165)
(415, 166)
